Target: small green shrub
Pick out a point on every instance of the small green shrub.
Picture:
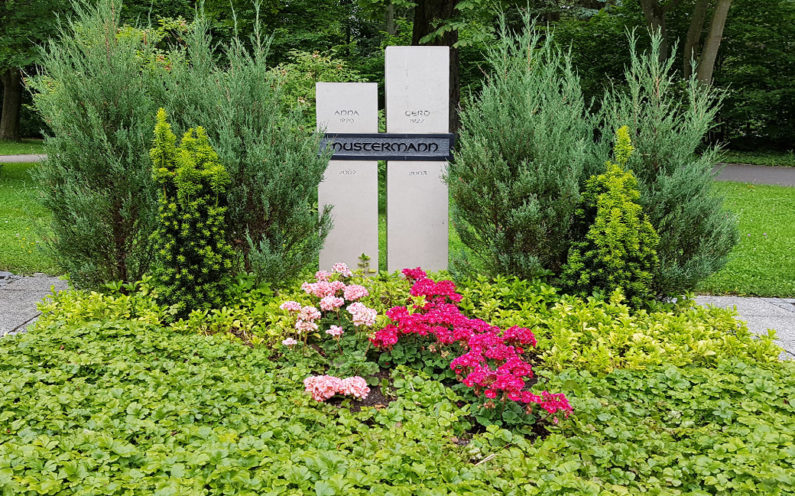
(602, 335)
(261, 139)
(619, 249)
(194, 259)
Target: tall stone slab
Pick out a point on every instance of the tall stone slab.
(351, 187)
(417, 102)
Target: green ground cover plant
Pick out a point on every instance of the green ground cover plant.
(771, 158)
(23, 221)
(762, 263)
(103, 397)
(24, 147)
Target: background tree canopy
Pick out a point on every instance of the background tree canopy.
(744, 47)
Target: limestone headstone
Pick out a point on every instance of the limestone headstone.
(351, 187)
(417, 101)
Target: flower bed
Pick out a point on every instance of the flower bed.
(106, 397)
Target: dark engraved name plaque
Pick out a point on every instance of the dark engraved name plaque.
(386, 146)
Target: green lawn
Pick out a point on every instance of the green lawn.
(762, 263)
(24, 147)
(21, 220)
(760, 158)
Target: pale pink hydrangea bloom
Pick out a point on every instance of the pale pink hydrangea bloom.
(354, 386)
(330, 303)
(335, 331)
(309, 313)
(337, 286)
(289, 342)
(322, 275)
(342, 269)
(355, 292)
(322, 387)
(318, 289)
(291, 306)
(362, 316)
(304, 326)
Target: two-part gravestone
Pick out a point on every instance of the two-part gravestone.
(416, 147)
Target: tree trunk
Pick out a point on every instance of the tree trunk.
(655, 18)
(426, 14)
(391, 26)
(12, 103)
(706, 64)
(691, 50)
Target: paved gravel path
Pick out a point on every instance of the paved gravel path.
(762, 314)
(19, 297)
(757, 174)
(9, 159)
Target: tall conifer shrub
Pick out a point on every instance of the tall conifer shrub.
(261, 140)
(100, 88)
(525, 145)
(97, 180)
(668, 121)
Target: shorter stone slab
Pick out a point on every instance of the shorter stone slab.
(349, 187)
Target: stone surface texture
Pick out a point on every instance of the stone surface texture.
(417, 101)
(762, 314)
(757, 174)
(19, 298)
(350, 186)
(9, 159)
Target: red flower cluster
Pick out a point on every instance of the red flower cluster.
(492, 362)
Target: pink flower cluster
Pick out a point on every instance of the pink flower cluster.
(362, 316)
(341, 269)
(492, 362)
(335, 331)
(333, 294)
(323, 387)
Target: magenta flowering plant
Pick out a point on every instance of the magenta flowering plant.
(333, 323)
(491, 361)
